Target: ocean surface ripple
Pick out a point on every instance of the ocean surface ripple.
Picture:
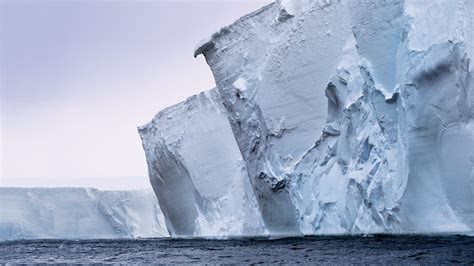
(361, 249)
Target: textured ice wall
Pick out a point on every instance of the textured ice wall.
(197, 171)
(78, 213)
(351, 116)
(271, 92)
(436, 88)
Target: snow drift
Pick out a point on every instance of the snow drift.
(329, 117)
(78, 213)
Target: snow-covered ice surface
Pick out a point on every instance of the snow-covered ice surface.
(78, 213)
(329, 117)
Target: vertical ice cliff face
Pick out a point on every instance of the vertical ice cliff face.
(197, 171)
(78, 213)
(274, 92)
(436, 90)
(349, 116)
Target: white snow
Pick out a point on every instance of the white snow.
(367, 129)
(240, 84)
(78, 213)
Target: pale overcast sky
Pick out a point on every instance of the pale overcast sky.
(78, 77)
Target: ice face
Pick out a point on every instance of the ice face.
(197, 171)
(281, 111)
(78, 213)
(346, 116)
(437, 95)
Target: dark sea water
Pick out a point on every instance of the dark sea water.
(309, 250)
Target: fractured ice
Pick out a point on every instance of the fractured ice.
(329, 117)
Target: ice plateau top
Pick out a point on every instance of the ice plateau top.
(329, 117)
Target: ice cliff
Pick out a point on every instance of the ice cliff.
(329, 117)
(78, 213)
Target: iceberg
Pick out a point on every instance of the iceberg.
(78, 213)
(329, 117)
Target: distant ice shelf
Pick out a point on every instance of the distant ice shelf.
(329, 117)
(78, 213)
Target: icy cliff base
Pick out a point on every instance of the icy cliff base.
(78, 213)
(332, 116)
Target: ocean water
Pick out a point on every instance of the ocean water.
(369, 249)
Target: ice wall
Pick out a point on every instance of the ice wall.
(437, 95)
(197, 171)
(347, 116)
(78, 213)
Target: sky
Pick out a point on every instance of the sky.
(78, 77)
